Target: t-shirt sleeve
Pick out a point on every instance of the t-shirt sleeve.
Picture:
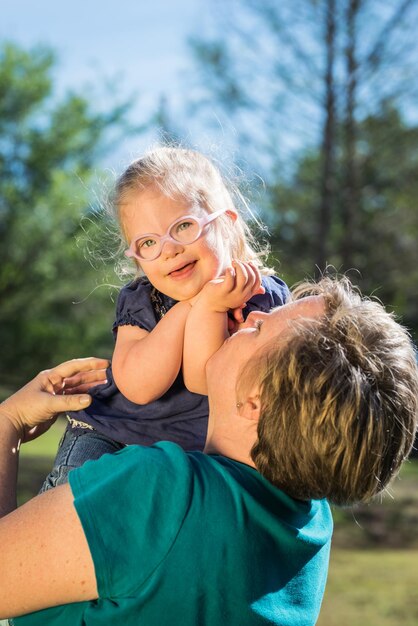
(134, 306)
(131, 505)
(276, 294)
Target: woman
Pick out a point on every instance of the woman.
(238, 535)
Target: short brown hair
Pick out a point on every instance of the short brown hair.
(338, 398)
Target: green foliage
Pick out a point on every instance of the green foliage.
(48, 149)
(316, 92)
(385, 250)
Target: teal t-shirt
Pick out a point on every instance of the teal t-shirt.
(187, 538)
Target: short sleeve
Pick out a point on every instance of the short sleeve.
(134, 306)
(139, 494)
(276, 294)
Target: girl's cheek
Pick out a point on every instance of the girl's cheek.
(221, 251)
(139, 269)
(213, 242)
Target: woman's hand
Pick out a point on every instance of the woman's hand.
(33, 409)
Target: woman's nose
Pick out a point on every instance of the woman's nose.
(253, 317)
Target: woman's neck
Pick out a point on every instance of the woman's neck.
(231, 437)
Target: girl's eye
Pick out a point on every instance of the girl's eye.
(147, 243)
(258, 324)
(183, 226)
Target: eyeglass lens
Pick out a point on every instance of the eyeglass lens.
(184, 231)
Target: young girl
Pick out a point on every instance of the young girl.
(183, 232)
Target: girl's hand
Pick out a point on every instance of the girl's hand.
(33, 408)
(240, 283)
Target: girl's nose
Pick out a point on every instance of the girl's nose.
(171, 248)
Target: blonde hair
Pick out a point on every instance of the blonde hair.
(339, 400)
(187, 174)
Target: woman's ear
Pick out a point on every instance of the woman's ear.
(250, 408)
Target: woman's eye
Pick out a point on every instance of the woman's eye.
(258, 324)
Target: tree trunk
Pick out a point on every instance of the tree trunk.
(328, 143)
(350, 196)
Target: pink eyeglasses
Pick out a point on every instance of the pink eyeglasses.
(185, 230)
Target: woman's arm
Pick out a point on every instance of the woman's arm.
(45, 558)
(32, 410)
(145, 364)
(207, 324)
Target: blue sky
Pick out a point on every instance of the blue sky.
(140, 48)
(140, 45)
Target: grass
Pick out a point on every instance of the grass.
(389, 522)
(371, 588)
(47, 444)
(372, 578)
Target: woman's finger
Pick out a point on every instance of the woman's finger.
(71, 368)
(63, 403)
(84, 377)
(81, 387)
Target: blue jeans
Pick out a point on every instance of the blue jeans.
(77, 446)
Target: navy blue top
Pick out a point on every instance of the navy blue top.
(179, 415)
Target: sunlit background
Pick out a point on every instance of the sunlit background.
(310, 105)
(121, 51)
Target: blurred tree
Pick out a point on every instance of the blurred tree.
(298, 80)
(386, 235)
(48, 148)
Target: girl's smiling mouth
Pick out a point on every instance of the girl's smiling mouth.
(184, 271)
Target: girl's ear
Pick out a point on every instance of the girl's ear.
(250, 408)
(232, 214)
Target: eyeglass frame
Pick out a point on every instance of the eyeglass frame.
(201, 221)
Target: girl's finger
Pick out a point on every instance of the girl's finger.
(258, 286)
(251, 286)
(232, 324)
(253, 276)
(229, 280)
(241, 275)
(238, 315)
